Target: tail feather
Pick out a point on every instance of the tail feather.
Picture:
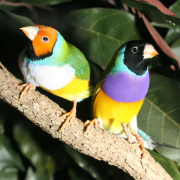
(151, 143)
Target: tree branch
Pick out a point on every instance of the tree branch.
(97, 143)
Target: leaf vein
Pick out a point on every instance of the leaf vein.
(162, 112)
(95, 22)
(92, 31)
(149, 114)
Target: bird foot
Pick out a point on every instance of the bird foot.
(70, 117)
(27, 87)
(140, 142)
(89, 123)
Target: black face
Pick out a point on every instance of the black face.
(133, 57)
(31, 55)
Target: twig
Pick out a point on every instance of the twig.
(139, 14)
(19, 4)
(112, 2)
(133, 10)
(125, 7)
(2, 66)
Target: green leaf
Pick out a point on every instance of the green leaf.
(84, 162)
(116, 173)
(30, 174)
(30, 147)
(99, 32)
(9, 158)
(175, 8)
(45, 153)
(9, 174)
(174, 31)
(74, 175)
(44, 2)
(172, 35)
(96, 72)
(36, 175)
(159, 116)
(12, 38)
(10, 24)
(175, 47)
(60, 158)
(153, 12)
(167, 164)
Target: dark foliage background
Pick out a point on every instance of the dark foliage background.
(97, 28)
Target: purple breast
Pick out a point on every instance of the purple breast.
(124, 87)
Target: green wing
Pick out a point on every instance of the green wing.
(78, 61)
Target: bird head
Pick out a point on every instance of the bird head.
(137, 55)
(41, 40)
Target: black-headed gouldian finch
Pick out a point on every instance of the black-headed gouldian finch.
(120, 93)
(55, 65)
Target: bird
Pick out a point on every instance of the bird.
(57, 66)
(120, 92)
(151, 143)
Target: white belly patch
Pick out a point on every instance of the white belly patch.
(49, 77)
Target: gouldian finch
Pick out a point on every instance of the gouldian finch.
(55, 65)
(120, 92)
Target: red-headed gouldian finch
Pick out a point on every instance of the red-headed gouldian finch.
(55, 65)
(120, 93)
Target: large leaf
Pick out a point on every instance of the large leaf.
(167, 164)
(10, 24)
(153, 12)
(36, 175)
(159, 116)
(30, 147)
(46, 154)
(99, 32)
(12, 38)
(174, 30)
(30, 174)
(175, 8)
(98, 170)
(172, 35)
(84, 162)
(44, 2)
(75, 175)
(9, 174)
(175, 47)
(160, 41)
(9, 158)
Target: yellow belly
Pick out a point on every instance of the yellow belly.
(112, 113)
(77, 89)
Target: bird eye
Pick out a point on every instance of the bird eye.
(45, 39)
(134, 49)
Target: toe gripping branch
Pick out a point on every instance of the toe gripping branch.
(89, 123)
(27, 87)
(141, 143)
(138, 138)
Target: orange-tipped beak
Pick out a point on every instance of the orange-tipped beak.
(149, 51)
(30, 31)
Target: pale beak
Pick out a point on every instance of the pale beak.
(149, 51)
(30, 31)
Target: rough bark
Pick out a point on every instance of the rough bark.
(97, 143)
